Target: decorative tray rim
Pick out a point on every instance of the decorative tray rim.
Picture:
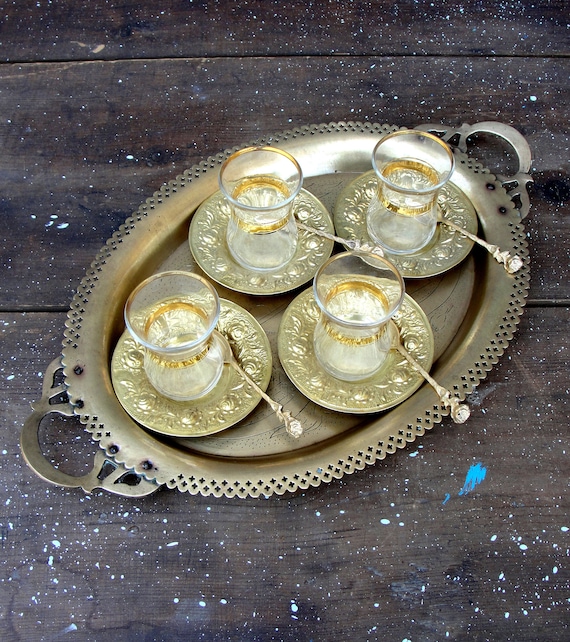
(86, 369)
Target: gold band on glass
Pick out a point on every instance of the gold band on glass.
(352, 286)
(169, 306)
(259, 228)
(399, 208)
(355, 342)
(174, 363)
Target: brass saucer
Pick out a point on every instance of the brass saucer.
(207, 239)
(230, 401)
(447, 248)
(392, 384)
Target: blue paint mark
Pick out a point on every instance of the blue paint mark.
(447, 498)
(474, 477)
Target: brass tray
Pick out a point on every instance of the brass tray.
(472, 326)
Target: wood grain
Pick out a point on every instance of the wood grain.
(70, 30)
(462, 535)
(86, 143)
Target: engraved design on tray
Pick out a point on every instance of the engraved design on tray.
(230, 401)
(395, 381)
(447, 248)
(208, 245)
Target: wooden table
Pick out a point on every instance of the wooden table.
(99, 107)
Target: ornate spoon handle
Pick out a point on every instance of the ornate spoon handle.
(292, 426)
(460, 412)
(512, 263)
(352, 244)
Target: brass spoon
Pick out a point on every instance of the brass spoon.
(292, 426)
(460, 412)
(351, 244)
(512, 263)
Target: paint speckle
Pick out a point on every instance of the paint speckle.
(385, 521)
(447, 498)
(475, 476)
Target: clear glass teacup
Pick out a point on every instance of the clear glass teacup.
(411, 166)
(172, 315)
(357, 293)
(260, 185)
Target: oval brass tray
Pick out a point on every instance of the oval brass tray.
(471, 325)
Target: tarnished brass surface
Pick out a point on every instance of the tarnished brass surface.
(208, 245)
(447, 248)
(230, 401)
(394, 382)
(472, 328)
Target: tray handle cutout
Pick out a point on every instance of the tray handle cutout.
(106, 474)
(516, 184)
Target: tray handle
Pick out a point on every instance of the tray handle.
(105, 474)
(515, 185)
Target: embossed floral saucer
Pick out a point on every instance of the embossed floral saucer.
(447, 248)
(230, 401)
(207, 239)
(392, 384)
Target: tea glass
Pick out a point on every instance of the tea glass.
(411, 166)
(260, 185)
(172, 315)
(357, 293)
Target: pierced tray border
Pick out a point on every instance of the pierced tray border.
(197, 473)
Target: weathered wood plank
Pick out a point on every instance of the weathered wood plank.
(463, 534)
(84, 144)
(69, 30)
